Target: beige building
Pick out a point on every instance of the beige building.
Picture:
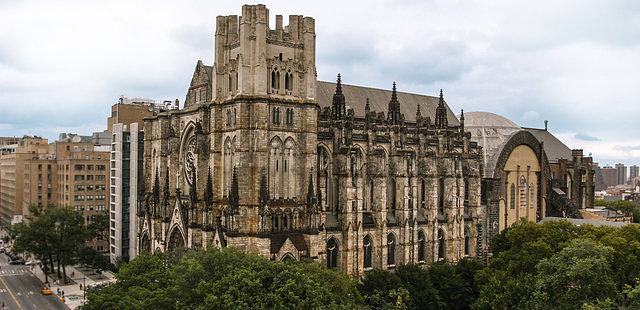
(13, 159)
(133, 110)
(83, 180)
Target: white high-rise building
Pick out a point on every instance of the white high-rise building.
(127, 148)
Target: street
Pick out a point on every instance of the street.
(19, 289)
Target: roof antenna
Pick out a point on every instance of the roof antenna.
(546, 124)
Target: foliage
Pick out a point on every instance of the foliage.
(629, 208)
(53, 235)
(225, 279)
(557, 265)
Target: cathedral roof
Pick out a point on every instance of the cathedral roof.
(553, 147)
(356, 98)
(492, 132)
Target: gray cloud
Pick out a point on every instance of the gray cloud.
(572, 62)
(585, 137)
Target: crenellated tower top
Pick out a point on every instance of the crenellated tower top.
(251, 59)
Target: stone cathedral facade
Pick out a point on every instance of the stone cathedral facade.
(266, 159)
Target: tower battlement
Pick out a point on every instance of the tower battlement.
(251, 59)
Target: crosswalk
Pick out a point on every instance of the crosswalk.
(11, 272)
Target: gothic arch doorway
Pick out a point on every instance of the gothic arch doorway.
(145, 243)
(176, 240)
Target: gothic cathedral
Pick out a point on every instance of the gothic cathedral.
(266, 159)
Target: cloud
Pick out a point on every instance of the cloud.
(571, 62)
(585, 137)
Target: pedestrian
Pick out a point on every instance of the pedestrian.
(80, 286)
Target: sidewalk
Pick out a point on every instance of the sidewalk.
(74, 295)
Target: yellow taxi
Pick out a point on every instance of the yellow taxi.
(46, 291)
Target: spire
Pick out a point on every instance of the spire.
(441, 113)
(367, 107)
(156, 189)
(165, 194)
(418, 114)
(338, 108)
(393, 115)
(234, 195)
(310, 193)
(193, 191)
(208, 191)
(462, 121)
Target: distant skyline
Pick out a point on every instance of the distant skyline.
(574, 63)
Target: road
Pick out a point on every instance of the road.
(19, 289)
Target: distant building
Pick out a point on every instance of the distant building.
(634, 171)
(82, 181)
(598, 178)
(13, 159)
(621, 173)
(127, 179)
(610, 176)
(134, 110)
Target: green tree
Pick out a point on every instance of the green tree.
(418, 284)
(579, 274)
(224, 279)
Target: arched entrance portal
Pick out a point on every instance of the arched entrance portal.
(176, 240)
(145, 243)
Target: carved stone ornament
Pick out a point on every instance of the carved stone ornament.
(189, 160)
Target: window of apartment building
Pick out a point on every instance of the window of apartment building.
(78, 167)
(79, 208)
(89, 177)
(99, 197)
(89, 187)
(78, 177)
(89, 208)
(100, 208)
(89, 167)
(89, 197)
(100, 177)
(100, 167)
(79, 187)
(78, 197)
(100, 187)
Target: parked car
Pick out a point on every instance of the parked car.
(32, 262)
(17, 261)
(46, 291)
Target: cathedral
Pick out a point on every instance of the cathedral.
(266, 159)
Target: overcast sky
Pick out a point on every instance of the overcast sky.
(574, 63)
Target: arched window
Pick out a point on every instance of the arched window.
(230, 87)
(371, 189)
(392, 206)
(441, 195)
(236, 79)
(467, 241)
(441, 244)
(288, 258)
(466, 191)
(423, 194)
(288, 81)
(332, 253)
(512, 198)
(523, 192)
(275, 80)
(531, 195)
(368, 252)
(391, 249)
(421, 246)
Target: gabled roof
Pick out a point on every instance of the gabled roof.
(356, 97)
(277, 240)
(553, 147)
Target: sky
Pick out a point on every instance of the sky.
(575, 63)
